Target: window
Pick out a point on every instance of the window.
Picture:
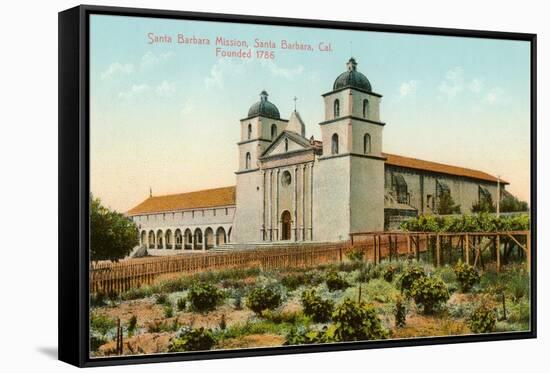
(401, 189)
(366, 144)
(247, 161)
(334, 148)
(249, 134)
(365, 108)
(336, 108)
(430, 201)
(286, 145)
(273, 131)
(286, 179)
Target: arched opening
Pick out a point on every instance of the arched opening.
(208, 238)
(286, 145)
(151, 239)
(334, 144)
(366, 144)
(188, 239)
(143, 239)
(365, 108)
(179, 239)
(336, 108)
(160, 240)
(273, 131)
(197, 239)
(249, 131)
(220, 236)
(247, 161)
(168, 239)
(286, 225)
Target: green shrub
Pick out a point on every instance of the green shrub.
(102, 324)
(409, 276)
(190, 339)
(483, 320)
(356, 322)
(368, 272)
(181, 304)
(263, 298)
(429, 292)
(400, 312)
(161, 298)
(355, 255)
(204, 297)
(301, 335)
(132, 324)
(389, 273)
(292, 281)
(315, 307)
(335, 282)
(466, 276)
(168, 311)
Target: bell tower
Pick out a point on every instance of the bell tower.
(351, 169)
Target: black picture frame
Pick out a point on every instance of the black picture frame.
(74, 168)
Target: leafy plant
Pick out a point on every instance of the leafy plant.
(483, 320)
(204, 297)
(190, 339)
(356, 322)
(409, 276)
(389, 273)
(263, 298)
(317, 308)
(132, 324)
(161, 298)
(294, 280)
(429, 292)
(335, 282)
(355, 255)
(101, 323)
(400, 312)
(168, 311)
(181, 304)
(301, 335)
(466, 276)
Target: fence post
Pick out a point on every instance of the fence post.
(528, 245)
(467, 248)
(437, 253)
(497, 248)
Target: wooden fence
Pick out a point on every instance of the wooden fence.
(117, 277)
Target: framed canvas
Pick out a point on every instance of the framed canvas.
(233, 186)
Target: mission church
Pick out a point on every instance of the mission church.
(291, 188)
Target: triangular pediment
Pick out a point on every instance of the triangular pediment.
(279, 145)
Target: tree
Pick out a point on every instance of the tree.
(485, 204)
(447, 205)
(510, 203)
(112, 236)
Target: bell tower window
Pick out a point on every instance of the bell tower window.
(334, 144)
(249, 131)
(336, 108)
(273, 131)
(366, 144)
(247, 161)
(365, 108)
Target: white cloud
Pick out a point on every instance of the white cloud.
(165, 89)
(408, 88)
(287, 73)
(494, 95)
(135, 90)
(150, 59)
(476, 85)
(187, 108)
(219, 72)
(453, 83)
(117, 68)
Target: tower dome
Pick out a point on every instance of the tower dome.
(264, 108)
(352, 78)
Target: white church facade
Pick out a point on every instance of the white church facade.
(291, 188)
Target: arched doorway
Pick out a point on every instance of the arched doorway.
(188, 239)
(286, 225)
(151, 239)
(208, 238)
(197, 239)
(178, 239)
(168, 239)
(160, 244)
(143, 238)
(220, 236)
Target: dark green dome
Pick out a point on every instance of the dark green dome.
(264, 108)
(352, 78)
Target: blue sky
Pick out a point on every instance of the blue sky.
(166, 116)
